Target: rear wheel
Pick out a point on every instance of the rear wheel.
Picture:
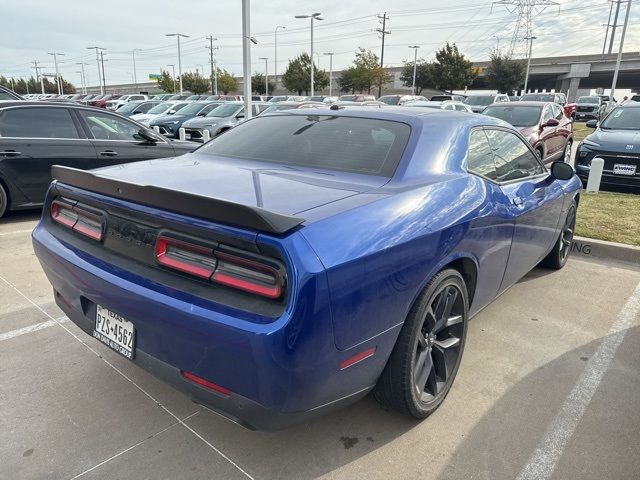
(4, 203)
(427, 354)
(558, 256)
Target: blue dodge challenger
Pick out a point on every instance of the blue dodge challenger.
(304, 259)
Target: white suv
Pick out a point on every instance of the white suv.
(115, 104)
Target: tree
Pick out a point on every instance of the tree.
(345, 81)
(424, 75)
(195, 83)
(226, 82)
(504, 74)
(257, 84)
(364, 74)
(297, 77)
(166, 82)
(451, 70)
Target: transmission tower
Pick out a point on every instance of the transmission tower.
(523, 30)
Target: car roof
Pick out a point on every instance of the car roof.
(39, 103)
(521, 103)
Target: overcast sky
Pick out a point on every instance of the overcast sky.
(32, 28)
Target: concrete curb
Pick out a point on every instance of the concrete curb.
(592, 248)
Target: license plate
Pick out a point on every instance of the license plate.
(621, 169)
(115, 331)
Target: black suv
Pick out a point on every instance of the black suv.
(36, 135)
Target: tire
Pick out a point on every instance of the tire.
(428, 350)
(557, 257)
(4, 200)
(566, 156)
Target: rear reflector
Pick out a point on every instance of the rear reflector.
(206, 383)
(357, 358)
(243, 272)
(79, 219)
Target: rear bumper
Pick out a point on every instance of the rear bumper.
(280, 373)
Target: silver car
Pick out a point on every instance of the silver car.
(165, 108)
(446, 105)
(220, 119)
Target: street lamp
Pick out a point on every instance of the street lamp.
(58, 82)
(266, 75)
(275, 61)
(84, 83)
(330, 69)
(178, 35)
(415, 64)
(135, 74)
(173, 68)
(246, 57)
(97, 49)
(313, 16)
(526, 77)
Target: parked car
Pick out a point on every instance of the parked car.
(169, 124)
(400, 99)
(478, 103)
(225, 116)
(323, 99)
(356, 98)
(137, 107)
(165, 108)
(36, 135)
(444, 98)
(193, 98)
(300, 261)
(289, 105)
(8, 94)
(445, 105)
(101, 102)
(558, 97)
(286, 98)
(615, 140)
(590, 107)
(544, 124)
(225, 98)
(115, 104)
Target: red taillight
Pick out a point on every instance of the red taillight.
(78, 219)
(220, 266)
(206, 383)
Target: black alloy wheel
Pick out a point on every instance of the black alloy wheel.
(557, 257)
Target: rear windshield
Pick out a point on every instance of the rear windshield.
(358, 145)
(389, 99)
(516, 116)
(589, 100)
(538, 97)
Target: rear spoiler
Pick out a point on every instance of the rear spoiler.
(213, 209)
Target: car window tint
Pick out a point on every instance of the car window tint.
(547, 113)
(107, 127)
(359, 145)
(557, 112)
(38, 122)
(512, 157)
(480, 157)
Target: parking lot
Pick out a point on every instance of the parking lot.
(549, 382)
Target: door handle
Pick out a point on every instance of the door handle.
(10, 153)
(517, 201)
(109, 153)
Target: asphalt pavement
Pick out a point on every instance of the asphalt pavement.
(549, 387)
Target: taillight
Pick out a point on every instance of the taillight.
(222, 265)
(79, 219)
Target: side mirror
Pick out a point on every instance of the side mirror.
(561, 171)
(552, 122)
(171, 112)
(201, 114)
(240, 116)
(592, 124)
(148, 136)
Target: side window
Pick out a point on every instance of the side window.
(107, 127)
(144, 108)
(480, 157)
(558, 112)
(547, 113)
(208, 108)
(38, 122)
(261, 108)
(512, 157)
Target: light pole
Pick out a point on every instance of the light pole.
(178, 35)
(55, 61)
(246, 57)
(415, 67)
(526, 77)
(104, 81)
(84, 83)
(313, 16)
(173, 75)
(619, 58)
(266, 75)
(97, 49)
(330, 70)
(135, 74)
(275, 61)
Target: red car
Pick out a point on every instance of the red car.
(544, 124)
(102, 101)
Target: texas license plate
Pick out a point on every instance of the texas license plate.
(621, 169)
(115, 331)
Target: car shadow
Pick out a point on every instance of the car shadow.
(21, 216)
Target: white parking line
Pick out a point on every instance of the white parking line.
(544, 459)
(30, 328)
(133, 446)
(121, 373)
(15, 232)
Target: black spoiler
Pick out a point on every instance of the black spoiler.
(213, 209)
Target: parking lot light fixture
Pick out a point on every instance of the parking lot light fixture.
(313, 16)
(266, 75)
(58, 82)
(415, 66)
(275, 61)
(178, 35)
(330, 70)
(98, 49)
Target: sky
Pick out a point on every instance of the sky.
(33, 28)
